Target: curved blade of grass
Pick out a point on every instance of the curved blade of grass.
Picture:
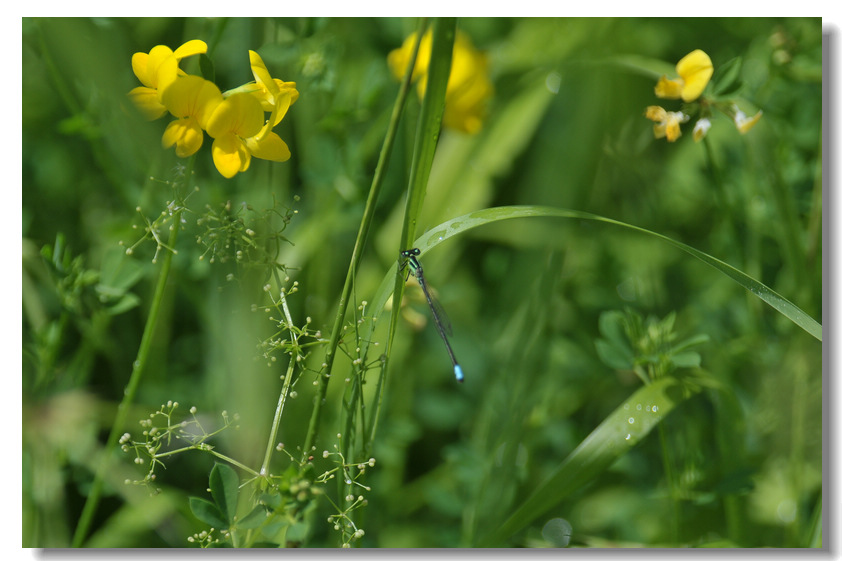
(487, 216)
(645, 66)
(627, 425)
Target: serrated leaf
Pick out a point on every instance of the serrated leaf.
(207, 512)
(225, 488)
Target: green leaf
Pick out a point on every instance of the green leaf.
(627, 425)
(124, 304)
(447, 230)
(273, 501)
(298, 531)
(253, 519)
(614, 349)
(207, 512)
(119, 272)
(691, 342)
(689, 359)
(225, 488)
(727, 80)
(616, 356)
(275, 530)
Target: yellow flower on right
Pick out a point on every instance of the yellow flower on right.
(695, 71)
(469, 86)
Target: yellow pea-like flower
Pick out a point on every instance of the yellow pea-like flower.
(694, 73)
(469, 86)
(156, 70)
(667, 123)
(192, 99)
(236, 118)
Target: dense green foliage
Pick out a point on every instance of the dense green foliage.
(619, 390)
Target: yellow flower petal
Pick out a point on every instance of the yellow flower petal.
(239, 114)
(695, 69)
(668, 89)
(190, 48)
(398, 59)
(140, 64)
(655, 113)
(230, 155)
(261, 74)
(187, 136)
(667, 123)
(146, 100)
(271, 147)
(288, 86)
(469, 87)
(672, 129)
(744, 124)
(192, 96)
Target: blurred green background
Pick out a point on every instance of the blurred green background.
(565, 128)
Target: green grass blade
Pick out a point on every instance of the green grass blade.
(429, 123)
(426, 140)
(487, 216)
(627, 425)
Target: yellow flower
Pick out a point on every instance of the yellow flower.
(744, 123)
(235, 119)
(667, 123)
(468, 87)
(270, 91)
(399, 58)
(192, 99)
(694, 71)
(275, 96)
(156, 70)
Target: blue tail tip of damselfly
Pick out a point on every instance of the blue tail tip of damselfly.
(457, 370)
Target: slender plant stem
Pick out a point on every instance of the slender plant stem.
(405, 84)
(359, 245)
(279, 410)
(138, 369)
